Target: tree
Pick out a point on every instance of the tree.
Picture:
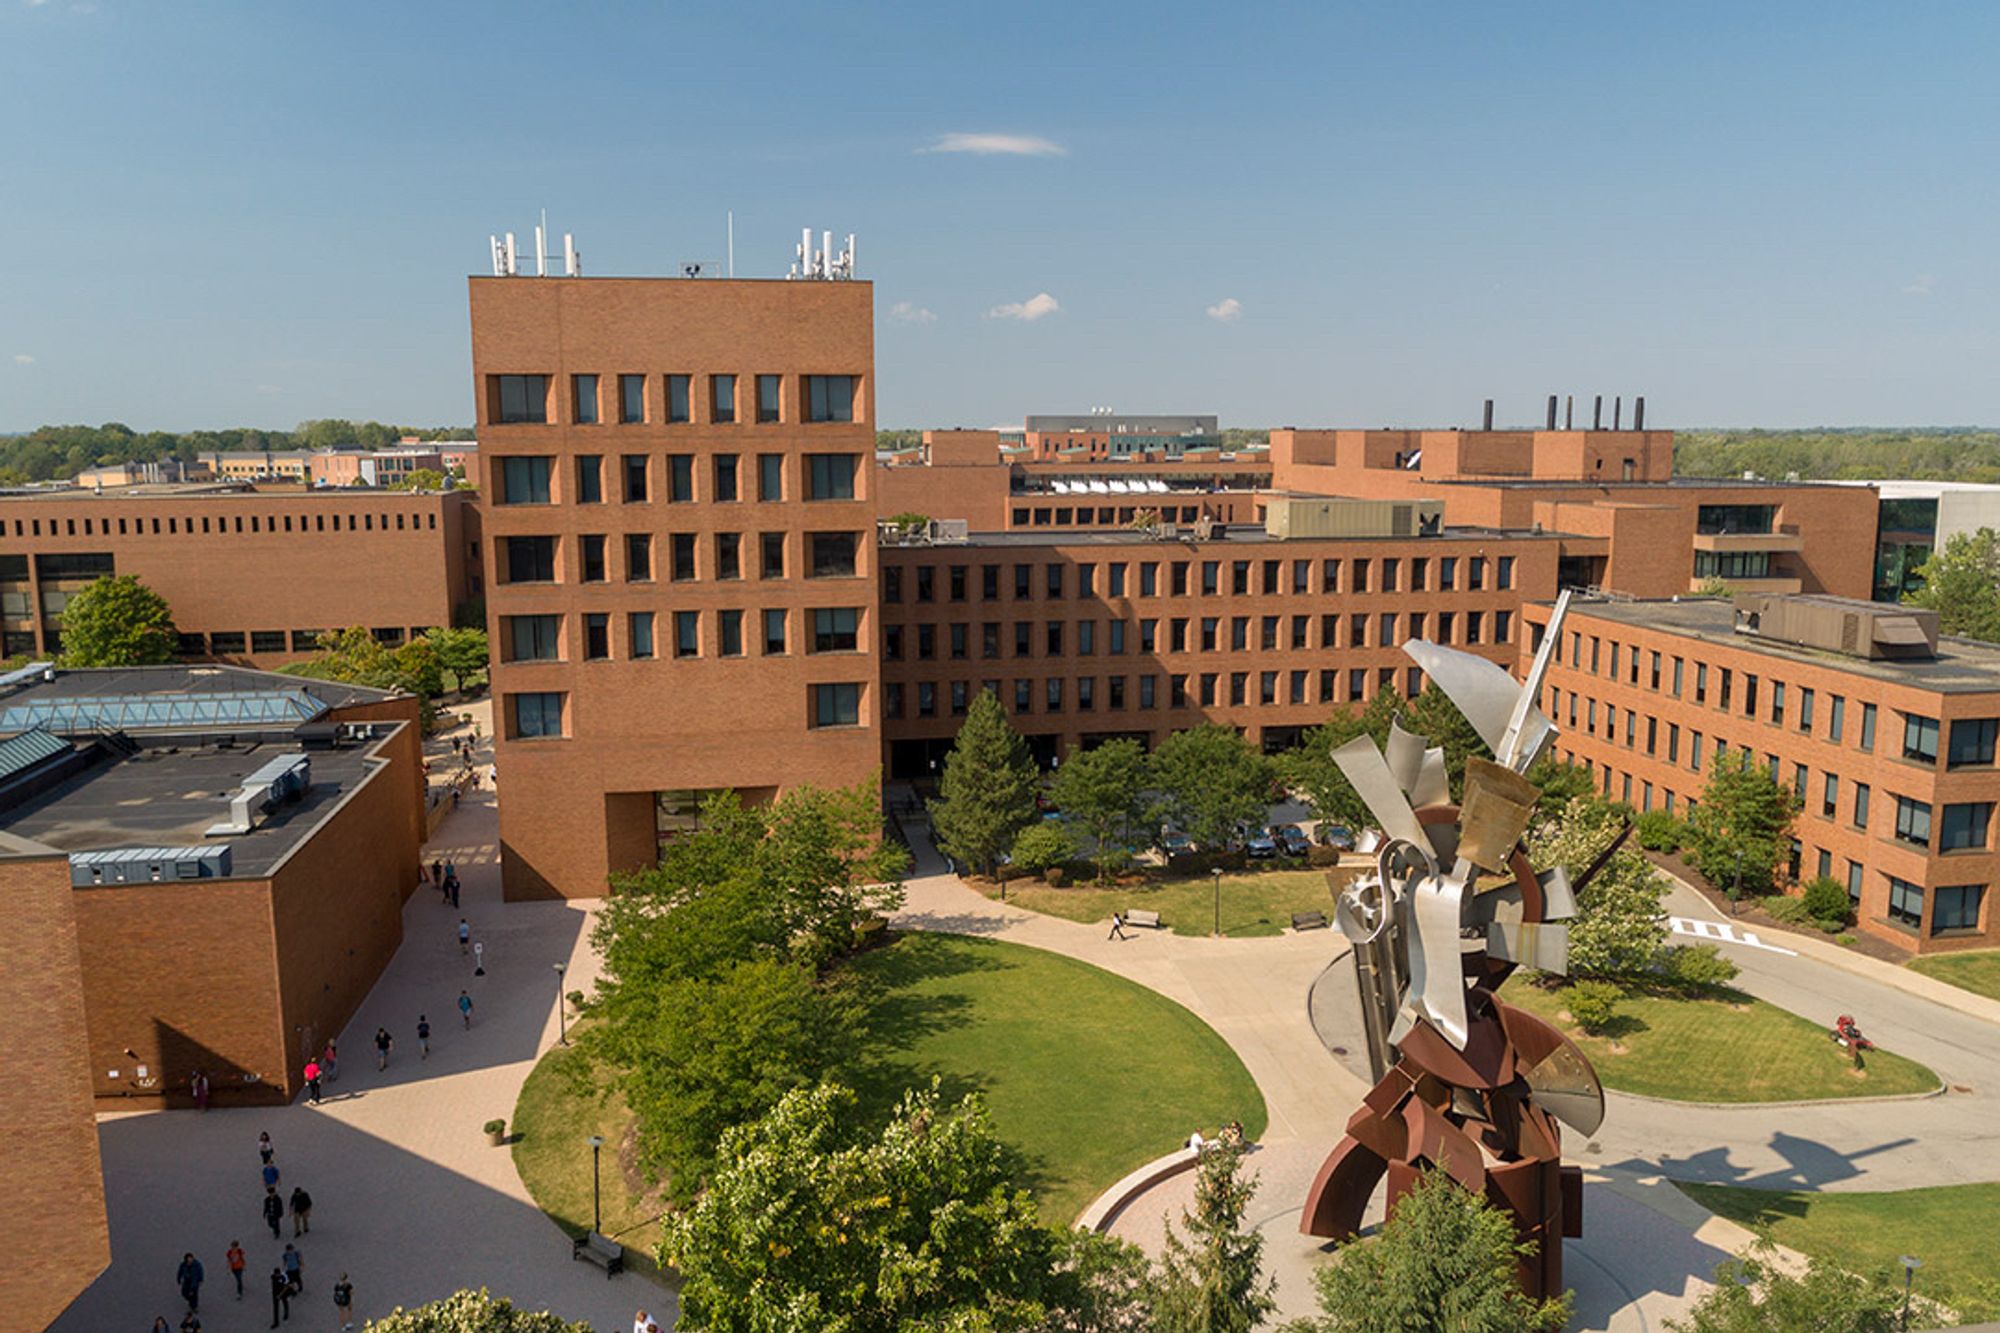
(1743, 823)
(474, 1312)
(1443, 1261)
(1100, 789)
(987, 793)
(463, 652)
(1753, 1295)
(421, 479)
(1212, 1281)
(814, 1222)
(1961, 582)
(1620, 927)
(117, 621)
(1211, 781)
(1039, 846)
(1560, 782)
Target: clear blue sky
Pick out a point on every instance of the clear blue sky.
(1313, 214)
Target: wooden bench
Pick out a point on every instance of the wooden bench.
(601, 1250)
(1139, 916)
(1309, 921)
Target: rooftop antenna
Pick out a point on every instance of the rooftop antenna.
(499, 256)
(542, 246)
(513, 264)
(572, 261)
(732, 243)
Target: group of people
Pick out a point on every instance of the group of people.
(644, 1323)
(444, 874)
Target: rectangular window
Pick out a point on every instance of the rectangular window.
(1448, 579)
(1956, 907)
(767, 398)
(1024, 696)
(1964, 826)
(1177, 579)
(729, 555)
(830, 476)
(589, 479)
(722, 399)
(730, 623)
(1806, 698)
(1778, 702)
(989, 583)
(1862, 792)
(956, 583)
(770, 477)
(1913, 821)
(926, 698)
(524, 399)
(1211, 576)
(532, 638)
(1836, 717)
(680, 557)
(596, 636)
(1854, 873)
(1239, 687)
(1054, 579)
(774, 632)
(631, 399)
(638, 557)
(687, 633)
(725, 477)
(680, 478)
(539, 714)
(1972, 741)
(677, 399)
(635, 478)
(836, 705)
(1920, 738)
(1906, 902)
(1149, 691)
(1052, 695)
(530, 559)
(832, 554)
(267, 641)
(525, 481)
(1829, 796)
(639, 627)
(958, 698)
(1868, 728)
(836, 629)
(1086, 693)
(1504, 577)
(583, 399)
(958, 642)
(829, 398)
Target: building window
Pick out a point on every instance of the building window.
(832, 554)
(829, 398)
(1854, 874)
(771, 556)
(635, 478)
(774, 632)
(1862, 794)
(958, 698)
(1024, 696)
(725, 477)
(583, 399)
(531, 559)
(729, 555)
(1053, 575)
(1777, 702)
(1964, 826)
(596, 636)
(1806, 697)
(730, 623)
(829, 476)
(836, 705)
(524, 399)
(722, 398)
(265, 641)
(680, 478)
(1913, 821)
(1829, 796)
(767, 398)
(631, 399)
(1086, 694)
(680, 557)
(589, 479)
(538, 714)
(770, 476)
(639, 627)
(638, 557)
(926, 698)
(524, 481)
(1972, 741)
(677, 398)
(836, 629)
(1906, 902)
(1920, 738)
(1956, 907)
(1868, 728)
(687, 634)
(1836, 717)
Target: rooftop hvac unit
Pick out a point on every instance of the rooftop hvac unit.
(147, 865)
(285, 778)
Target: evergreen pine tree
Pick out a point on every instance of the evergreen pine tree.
(987, 794)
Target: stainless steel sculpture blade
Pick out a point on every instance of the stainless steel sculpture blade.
(1437, 983)
(1558, 898)
(1433, 783)
(1369, 773)
(1522, 740)
(1485, 693)
(1404, 753)
(1543, 946)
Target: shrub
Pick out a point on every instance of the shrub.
(1844, 939)
(1698, 967)
(1790, 911)
(1658, 831)
(1593, 1004)
(1054, 877)
(494, 1126)
(1825, 899)
(1039, 846)
(1321, 858)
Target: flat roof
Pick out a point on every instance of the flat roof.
(1962, 666)
(1605, 483)
(211, 490)
(189, 682)
(169, 796)
(1245, 534)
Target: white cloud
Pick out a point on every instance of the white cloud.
(1925, 284)
(1036, 306)
(908, 312)
(23, 359)
(988, 145)
(1226, 311)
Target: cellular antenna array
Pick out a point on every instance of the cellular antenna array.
(506, 259)
(823, 264)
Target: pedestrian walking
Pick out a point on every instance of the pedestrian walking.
(264, 1150)
(456, 792)
(235, 1260)
(189, 1276)
(424, 1036)
(329, 1063)
(343, 1301)
(274, 1211)
(464, 936)
(454, 889)
(294, 1264)
(190, 1322)
(450, 869)
(198, 1085)
(160, 1324)
(465, 1008)
(437, 871)
(1117, 927)
(639, 1322)
(382, 1045)
(270, 1175)
(302, 1206)
(281, 1296)
(312, 1081)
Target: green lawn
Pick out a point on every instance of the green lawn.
(557, 1113)
(1727, 1049)
(1949, 1227)
(1086, 1075)
(1977, 972)
(1254, 903)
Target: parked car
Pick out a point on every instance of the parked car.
(1337, 836)
(1174, 843)
(1292, 840)
(1261, 845)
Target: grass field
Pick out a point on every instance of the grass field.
(1254, 903)
(1978, 972)
(1086, 1076)
(1731, 1048)
(1949, 1227)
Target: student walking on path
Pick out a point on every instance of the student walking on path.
(343, 1301)
(312, 1081)
(302, 1206)
(465, 1008)
(464, 936)
(294, 1263)
(189, 1277)
(270, 1175)
(198, 1085)
(1117, 927)
(235, 1260)
(274, 1211)
(264, 1149)
(281, 1296)
(382, 1045)
(424, 1037)
(329, 1064)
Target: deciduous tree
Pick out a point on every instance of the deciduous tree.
(1101, 790)
(1753, 1295)
(987, 793)
(1962, 584)
(474, 1312)
(1211, 781)
(1744, 821)
(117, 621)
(1620, 927)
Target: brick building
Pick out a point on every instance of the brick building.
(253, 576)
(1885, 731)
(681, 561)
(236, 848)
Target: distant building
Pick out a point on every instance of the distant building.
(372, 467)
(1103, 435)
(114, 475)
(1918, 517)
(257, 464)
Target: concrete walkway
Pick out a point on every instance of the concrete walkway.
(407, 1197)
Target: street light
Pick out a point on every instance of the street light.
(1910, 1267)
(1215, 873)
(596, 1193)
(562, 1019)
(1736, 894)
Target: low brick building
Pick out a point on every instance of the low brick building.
(237, 848)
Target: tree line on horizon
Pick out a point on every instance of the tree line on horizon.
(55, 453)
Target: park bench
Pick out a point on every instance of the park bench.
(1309, 921)
(601, 1250)
(1139, 916)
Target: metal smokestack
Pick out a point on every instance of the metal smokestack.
(1569, 411)
(1489, 415)
(1552, 412)
(1639, 413)
(1618, 412)
(1597, 413)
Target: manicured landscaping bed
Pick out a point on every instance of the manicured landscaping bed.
(1086, 1075)
(1726, 1048)
(1977, 972)
(1253, 903)
(1949, 1227)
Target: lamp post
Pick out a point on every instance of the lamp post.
(562, 1019)
(1215, 873)
(1736, 893)
(1910, 1267)
(596, 1193)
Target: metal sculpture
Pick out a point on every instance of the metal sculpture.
(1465, 1083)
